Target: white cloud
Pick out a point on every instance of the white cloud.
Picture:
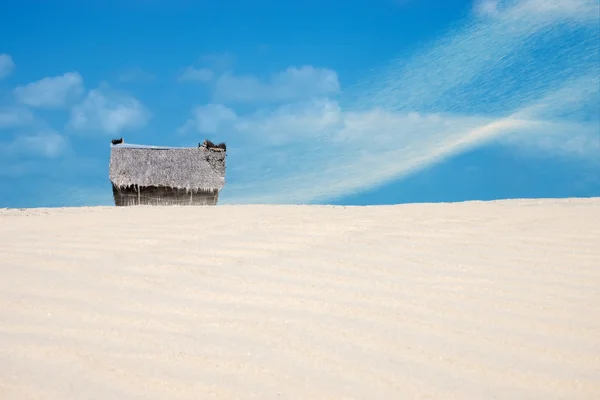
(51, 92)
(136, 75)
(46, 143)
(108, 111)
(11, 117)
(514, 78)
(7, 65)
(486, 7)
(353, 150)
(292, 84)
(210, 118)
(218, 61)
(577, 9)
(294, 122)
(559, 140)
(203, 75)
(284, 124)
(213, 65)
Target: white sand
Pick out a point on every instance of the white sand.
(466, 301)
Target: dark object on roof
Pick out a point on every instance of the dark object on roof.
(117, 141)
(210, 145)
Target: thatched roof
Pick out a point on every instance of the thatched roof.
(196, 168)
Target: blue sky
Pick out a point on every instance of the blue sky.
(360, 102)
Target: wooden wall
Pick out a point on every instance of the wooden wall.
(163, 196)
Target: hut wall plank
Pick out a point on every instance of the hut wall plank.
(163, 196)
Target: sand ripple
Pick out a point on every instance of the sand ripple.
(468, 301)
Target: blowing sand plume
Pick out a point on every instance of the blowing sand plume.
(472, 300)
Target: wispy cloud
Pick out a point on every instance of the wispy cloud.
(207, 68)
(210, 118)
(577, 10)
(51, 92)
(486, 7)
(11, 117)
(294, 83)
(108, 111)
(7, 65)
(47, 143)
(218, 61)
(524, 76)
(203, 75)
(286, 123)
(136, 75)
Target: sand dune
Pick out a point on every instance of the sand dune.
(473, 300)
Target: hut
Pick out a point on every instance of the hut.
(153, 175)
